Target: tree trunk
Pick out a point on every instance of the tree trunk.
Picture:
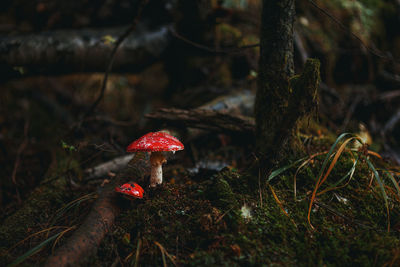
(280, 100)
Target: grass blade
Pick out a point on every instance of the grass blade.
(74, 203)
(33, 250)
(281, 205)
(35, 234)
(395, 183)
(321, 180)
(302, 165)
(164, 253)
(281, 170)
(381, 186)
(336, 158)
(343, 135)
(350, 174)
(61, 235)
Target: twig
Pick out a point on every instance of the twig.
(209, 49)
(128, 31)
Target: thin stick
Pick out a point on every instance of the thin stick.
(209, 49)
(128, 31)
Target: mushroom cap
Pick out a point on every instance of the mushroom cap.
(155, 141)
(130, 189)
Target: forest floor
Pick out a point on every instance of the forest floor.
(213, 207)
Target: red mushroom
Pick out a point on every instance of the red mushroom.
(155, 143)
(131, 190)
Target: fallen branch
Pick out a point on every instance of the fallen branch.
(206, 119)
(85, 241)
(109, 166)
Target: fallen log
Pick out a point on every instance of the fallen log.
(206, 119)
(85, 50)
(85, 241)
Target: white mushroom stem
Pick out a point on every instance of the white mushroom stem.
(156, 160)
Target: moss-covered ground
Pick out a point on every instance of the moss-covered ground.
(234, 217)
(204, 223)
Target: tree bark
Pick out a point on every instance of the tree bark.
(275, 69)
(280, 101)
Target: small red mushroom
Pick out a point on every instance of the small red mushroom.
(155, 143)
(131, 190)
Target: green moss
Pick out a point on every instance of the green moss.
(200, 224)
(38, 209)
(40, 204)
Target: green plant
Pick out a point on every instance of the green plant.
(37, 248)
(357, 155)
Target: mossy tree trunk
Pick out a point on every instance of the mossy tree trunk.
(280, 100)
